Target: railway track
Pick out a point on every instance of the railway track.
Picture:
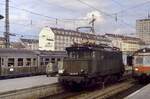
(99, 93)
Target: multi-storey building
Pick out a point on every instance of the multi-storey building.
(55, 39)
(143, 29)
(127, 44)
(2, 42)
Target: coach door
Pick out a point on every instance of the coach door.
(0, 65)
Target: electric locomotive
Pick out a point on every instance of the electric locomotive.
(90, 64)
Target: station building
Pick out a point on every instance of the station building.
(128, 45)
(56, 39)
(125, 43)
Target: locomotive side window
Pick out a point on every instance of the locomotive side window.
(20, 61)
(11, 62)
(28, 62)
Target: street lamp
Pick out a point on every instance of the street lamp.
(1, 17)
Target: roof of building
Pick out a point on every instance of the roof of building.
(29, 40)
(2, 38)
(17, 45)
(60, 31)
(143, 20)
(122, 37)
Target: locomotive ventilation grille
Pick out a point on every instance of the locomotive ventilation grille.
(76, 66)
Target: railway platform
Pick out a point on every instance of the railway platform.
(143, 93)
(27, 87)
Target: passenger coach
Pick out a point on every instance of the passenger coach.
(140, 61)
(21, 62)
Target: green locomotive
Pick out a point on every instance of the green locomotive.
(89, 64)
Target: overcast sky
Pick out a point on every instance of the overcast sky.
(28, 17)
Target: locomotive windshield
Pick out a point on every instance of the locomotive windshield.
(142, 60)
(80, 54)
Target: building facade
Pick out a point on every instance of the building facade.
(143, 29)
(125, 43)
(55, 39)
(128, 45)
(2, 42)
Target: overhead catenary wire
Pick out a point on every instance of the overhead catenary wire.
(105, 13)
(133, 7)
(42, 15)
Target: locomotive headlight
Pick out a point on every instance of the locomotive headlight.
(82, 70)
(136, 69)
(61, 71)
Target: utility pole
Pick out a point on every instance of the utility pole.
(1, 17)
(6, 33)
(93, 23)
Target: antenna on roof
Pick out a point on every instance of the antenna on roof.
(93, 23)
(148, 15)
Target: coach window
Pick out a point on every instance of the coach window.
(34, 61)
(28, 62)
(58, 59)
(46, 61)
(2, 61)
(53, 60)
(11, 62)
(20, 61)
(41, 61)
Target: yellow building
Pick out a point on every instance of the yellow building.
(125, 43)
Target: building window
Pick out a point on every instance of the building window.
(43, 36)
(20, 61)
(11, 62)
(28, 62)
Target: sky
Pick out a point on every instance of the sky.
(28, 17)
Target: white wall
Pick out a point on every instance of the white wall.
(47, 39)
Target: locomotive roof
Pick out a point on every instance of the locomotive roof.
(143, 50)
(85, 47)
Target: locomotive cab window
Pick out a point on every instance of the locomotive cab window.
(11, 62)
(139, 60)
(146, 61)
